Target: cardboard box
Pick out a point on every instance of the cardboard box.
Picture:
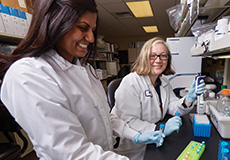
(18, 4)
(7, 19)
(2, 26)
(30, 6)
(16, 21)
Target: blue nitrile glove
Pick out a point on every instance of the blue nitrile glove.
(191, 96)
(148, 138)
(173, 124)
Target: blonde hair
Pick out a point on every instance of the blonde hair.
(142, 64)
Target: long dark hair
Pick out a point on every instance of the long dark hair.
(51, 20)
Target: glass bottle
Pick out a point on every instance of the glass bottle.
(223, 104)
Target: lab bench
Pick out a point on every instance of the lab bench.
(175, 143)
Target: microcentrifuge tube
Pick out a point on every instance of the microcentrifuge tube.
(160, 134)
(177, 114)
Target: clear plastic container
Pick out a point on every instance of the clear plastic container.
(223, 104)
(219, 94)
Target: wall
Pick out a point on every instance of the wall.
(124, 41)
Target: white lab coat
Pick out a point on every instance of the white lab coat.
(63, 108)
(137, 103)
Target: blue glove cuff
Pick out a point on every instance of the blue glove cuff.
(136, 138)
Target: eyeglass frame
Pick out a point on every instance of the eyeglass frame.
(158, 56)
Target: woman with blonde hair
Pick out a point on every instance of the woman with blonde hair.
(144, 97)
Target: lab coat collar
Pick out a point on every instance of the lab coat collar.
(61, 62)
(164, 81)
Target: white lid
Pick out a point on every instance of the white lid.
(201, 119)
(211, 94)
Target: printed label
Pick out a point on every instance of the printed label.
(22, 3)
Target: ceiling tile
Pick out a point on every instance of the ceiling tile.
(122, 26)
(108, 30)
(161, 17)
(147, 21)
(108, 1)
(116, 7)
(104, 14)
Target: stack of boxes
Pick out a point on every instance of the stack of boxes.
(15, 17)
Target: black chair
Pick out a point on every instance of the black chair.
(10, 150)
(111, 88)
(123, 71)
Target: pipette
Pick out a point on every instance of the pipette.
(160, 134)
(198, 78)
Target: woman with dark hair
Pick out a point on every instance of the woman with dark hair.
(54, 94)
(144, 96)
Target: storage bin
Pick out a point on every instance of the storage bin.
(221, 123)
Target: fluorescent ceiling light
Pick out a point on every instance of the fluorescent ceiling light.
(150, 29)
(140, 8)
(222, 57)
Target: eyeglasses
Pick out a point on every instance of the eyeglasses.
(161, 56)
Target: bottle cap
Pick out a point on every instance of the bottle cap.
(223, 86)
(226, 91)
(177, 114)
(162, 125)
(225, 151)
(224, 144)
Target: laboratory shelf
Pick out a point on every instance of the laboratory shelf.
(10, 38)
(220, 46)
(217, 47)
(209, 10)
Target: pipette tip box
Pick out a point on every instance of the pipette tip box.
(201, 126)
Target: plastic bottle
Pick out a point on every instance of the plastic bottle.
(201, 106)
(223, 104)
(219, 94)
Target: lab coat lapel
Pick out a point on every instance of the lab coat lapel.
(163, 95)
